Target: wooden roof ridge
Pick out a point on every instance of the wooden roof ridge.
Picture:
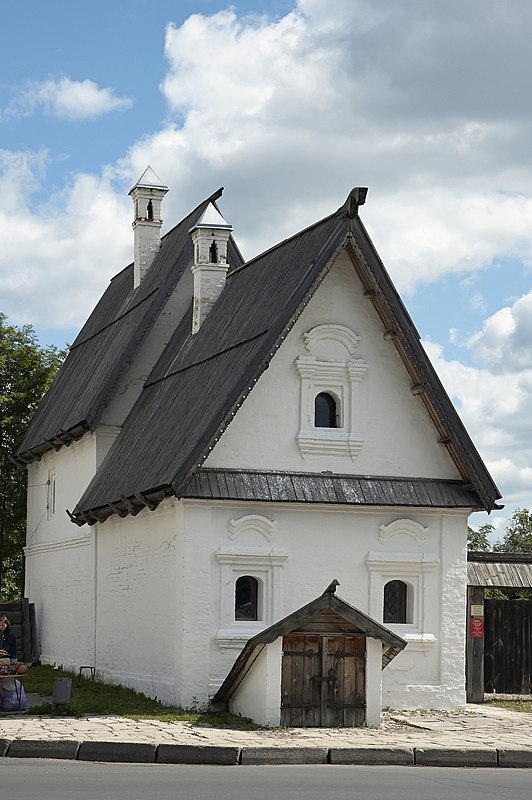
(328, 600)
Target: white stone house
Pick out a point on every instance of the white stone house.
(225, 439)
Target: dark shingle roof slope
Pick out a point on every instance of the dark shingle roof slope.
(165, 439)
(108, 342)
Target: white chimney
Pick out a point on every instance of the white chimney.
(147, 195)
(210, 236)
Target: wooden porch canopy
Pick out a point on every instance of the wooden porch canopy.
(327, 602)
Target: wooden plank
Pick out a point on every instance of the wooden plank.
(474, 647)
(310, 688)
(33, 632)
(286, 683)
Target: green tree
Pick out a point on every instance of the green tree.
(518, 534)
(26, 371)
(478, 540)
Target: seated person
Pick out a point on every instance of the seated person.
(8, 645)
(8, 641)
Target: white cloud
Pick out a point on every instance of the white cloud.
(504, 343)
(497, 412)
(65, 98)
(55, 261)
(295, 112)
(408, 98)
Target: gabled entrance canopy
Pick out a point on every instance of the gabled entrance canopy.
(328, 614)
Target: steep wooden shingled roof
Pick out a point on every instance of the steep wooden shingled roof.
(165, 439)
(108, 343)
(327, 602)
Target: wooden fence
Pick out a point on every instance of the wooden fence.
(21, 615)
(507, 646)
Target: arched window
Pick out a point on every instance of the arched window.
(149, 210)
(247, 598)
(213, 253)
(395, 602)
(325, 411)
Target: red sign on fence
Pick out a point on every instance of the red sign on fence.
(476, 627)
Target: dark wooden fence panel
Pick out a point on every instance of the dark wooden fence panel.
(508, 646)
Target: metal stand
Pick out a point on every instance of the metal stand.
(92, 671)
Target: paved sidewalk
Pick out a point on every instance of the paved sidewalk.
(480, 735)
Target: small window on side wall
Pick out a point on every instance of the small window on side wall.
(247, 598)
(325, 411)
(395, 602)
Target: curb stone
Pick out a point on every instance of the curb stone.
(284, 755)
(455, 757)
(372, 755)
(136, 752)
(515, 758)
(4, 744)
(39, 748)
(197, 754)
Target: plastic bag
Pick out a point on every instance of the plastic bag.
(13, 699)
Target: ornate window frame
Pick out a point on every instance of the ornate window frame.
(331, 368)
(417, 570)
(263, 563)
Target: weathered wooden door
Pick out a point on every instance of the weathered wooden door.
(323, 681)
(508, 646)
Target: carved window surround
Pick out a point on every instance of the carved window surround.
(263, 563)
(331, 368)
(418, 570)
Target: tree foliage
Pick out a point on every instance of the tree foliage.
(26, 372)
(518, 534)
(478, 540)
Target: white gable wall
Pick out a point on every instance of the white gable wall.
(399, 437)
(139, 601)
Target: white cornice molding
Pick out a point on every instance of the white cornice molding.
(50, 547)
(399, 562)
(251, 556)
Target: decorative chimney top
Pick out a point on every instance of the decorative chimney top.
(210, 236)
(147, 196)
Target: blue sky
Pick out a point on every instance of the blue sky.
(288, 104)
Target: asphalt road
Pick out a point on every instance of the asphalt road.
(26, 779)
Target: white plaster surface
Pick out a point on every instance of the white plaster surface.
(259, 694)
(373, 682)
(399, 437)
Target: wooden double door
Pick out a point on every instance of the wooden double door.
(323, 681)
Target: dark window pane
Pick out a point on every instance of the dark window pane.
(325, 415)
(246, 598)
(395, 602)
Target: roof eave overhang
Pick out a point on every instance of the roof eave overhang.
(63, 438)
(399, 330)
